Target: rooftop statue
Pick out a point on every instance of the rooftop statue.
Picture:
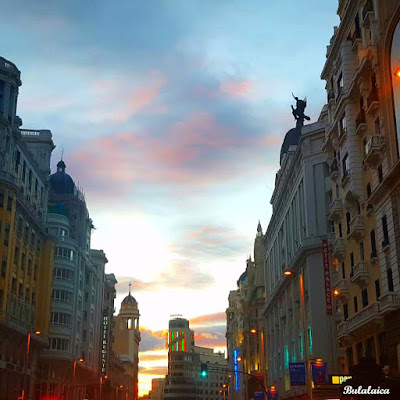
(298, 112)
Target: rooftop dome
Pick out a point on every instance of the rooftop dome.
(129, 299)
(61, 182)
(292, 137)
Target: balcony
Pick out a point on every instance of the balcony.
(342, 286)
(361, 123)
(367, 320)
(356, 228)
(359, 274)
(367, 14)
(339, 248)
(336, 210)
(374, 151)
(372, 101)
(388, 302)
(345, 178)
(334, 170)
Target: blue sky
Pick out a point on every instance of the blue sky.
(171, 114)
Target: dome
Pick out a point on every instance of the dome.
(129, 300)
(292, 137)
(61, 182)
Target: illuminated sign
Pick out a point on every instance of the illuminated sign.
(104, 342)
(236, 367)
(177, 341)
(340, 379)
(327, 277)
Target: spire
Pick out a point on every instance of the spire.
(259, 229)
(61, 166)
(130, 285)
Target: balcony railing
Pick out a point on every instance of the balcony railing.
(356, 227)
(360, 275)
(360, 121)
(389, 302)
(334, 169)
(372, 99)
(373, 151)
(336, 209)
(339, 248)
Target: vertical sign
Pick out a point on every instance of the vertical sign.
(104, 343)
(327, 277)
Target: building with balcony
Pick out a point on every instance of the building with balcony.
(26, 247)
(361, 83)
(245, 337)
(73, 357)
(184, 381)
(299, 312)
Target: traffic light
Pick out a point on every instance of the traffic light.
(203, 371)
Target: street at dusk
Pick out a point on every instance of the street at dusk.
(200, 200)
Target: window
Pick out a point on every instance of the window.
(286, 357)
(377, 126)
(60, 319)
(348, 219)
(340, 229)
(364, 296)
(310, 341)
(59, 344)
(63, 252)
(343, 271)
(350, 358)
(62, 274)
(390, 279)
(343, 125)
(4, 266)
(340, 84)
(62, 296)
(345, 165)
(362, 251)
(373, 244)
(301, 347)
(380, 174)
(377, 289)
(345, 311)
(369, 191)
(355, 304)
(352, 263)
(385, 231)
(360, 350)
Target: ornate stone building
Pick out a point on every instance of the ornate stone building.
(26, 248)
(245, 326)
(361, 144)
(299, 320)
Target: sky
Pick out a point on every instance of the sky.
(171, 114)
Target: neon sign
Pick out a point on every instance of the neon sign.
(104, 346)
(236, 368)
(177, 341)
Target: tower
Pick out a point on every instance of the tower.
(127, 339)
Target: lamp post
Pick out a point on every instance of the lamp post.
(288, 273)
(74, 378)
(28, 348)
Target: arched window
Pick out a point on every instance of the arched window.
(395, 64)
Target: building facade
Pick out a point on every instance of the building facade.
(184, 380)
(361, 144)
(245, 327)
(73, 357)
(26, 247)
(126, 339)
(299, 319)
(157, 389)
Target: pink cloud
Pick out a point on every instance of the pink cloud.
(208, 319)
(236, 88)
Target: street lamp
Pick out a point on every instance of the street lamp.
(253, 331)
(81, 360)
(336, 292)
(397, 72)
(305, 335)
(239, 358)
(28, 348)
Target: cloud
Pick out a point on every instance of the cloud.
(236, 88)
(208, 319)
(160, 370)
(181, 274)
(152, 340)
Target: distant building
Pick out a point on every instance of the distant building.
(245, 327)
(126, 342)
(157, 389)
(183, 381)
(26, 247)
